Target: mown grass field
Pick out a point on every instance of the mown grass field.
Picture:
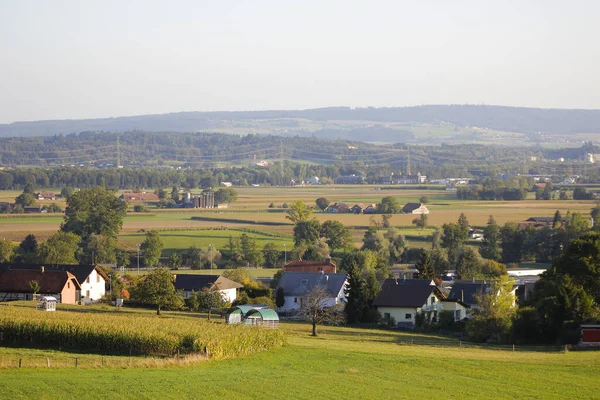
(343, 362)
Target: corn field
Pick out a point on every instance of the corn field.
(128, 334)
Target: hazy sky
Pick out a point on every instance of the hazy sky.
(83, 59)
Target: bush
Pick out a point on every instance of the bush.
(388, 321)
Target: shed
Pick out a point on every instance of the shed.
(590, 334)
(47, 303)
(264, 317)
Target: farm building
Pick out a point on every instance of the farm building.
(252, 315)
(91, 278)
(16, 284)
(143, 196)
(414, 208)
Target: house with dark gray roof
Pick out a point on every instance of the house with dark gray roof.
(468, 291)
(403, 299)
(189, 283)
(91, 278)
(414, 208)
(15, 284)
(297, 285)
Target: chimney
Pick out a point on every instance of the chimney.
(42, 269)
(462, 295)
(327, 260)
(326, 278)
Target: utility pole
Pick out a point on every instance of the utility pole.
(408, 163)
(284, 254)
(118, 152)
(281, 158)
(211, 257)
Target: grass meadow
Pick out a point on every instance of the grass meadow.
(356, 363)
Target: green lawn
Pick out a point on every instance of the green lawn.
(201, 238)
(340, 363)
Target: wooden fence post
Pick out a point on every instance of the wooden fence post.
(20, 360)
(76, 362)
(48, 362)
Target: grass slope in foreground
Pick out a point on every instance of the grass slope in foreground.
(341, 363)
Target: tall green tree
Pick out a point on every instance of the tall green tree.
(271, 254)
(151, 248)
(425, 265)
(27, 253)
(97, 249)
(336, 235)
(494, 318)
(306, 232)
(356, 304)
(226, 195)
(388, 205)
(469, 264)
(299, 212)
(94, 211)
(25, 200)
(322, 203)
(158, 288)
(595, 214)
(250, 253)
(60, 248)
(490, 247)
(7, 250)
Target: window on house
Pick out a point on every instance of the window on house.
(304, 281)
(68, 285)
(87, 293)
(432, 299)
(386, 315)
(98, 278)
(87, 280)
(408, 316)
(295, 299)
(457, 315)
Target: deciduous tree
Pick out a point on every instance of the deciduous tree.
(60, 248)
(151, 248)
(315, 309)
(94, 211)
(158, 288)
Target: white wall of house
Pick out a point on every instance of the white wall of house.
(93, 288)
(293, 303)
(400, 314)
(229, 294)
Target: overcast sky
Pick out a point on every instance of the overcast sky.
(86, 59)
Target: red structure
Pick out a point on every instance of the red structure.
(590, 334)
(310, 266)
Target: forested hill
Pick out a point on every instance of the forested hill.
(317, 121)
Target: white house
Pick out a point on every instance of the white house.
(189, 283)
(403, 299)
(297, 285)
(467, 292)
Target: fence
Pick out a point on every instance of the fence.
(442, 342)
(88, 361)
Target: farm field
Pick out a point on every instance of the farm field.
(349, 362)
(252, 211)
